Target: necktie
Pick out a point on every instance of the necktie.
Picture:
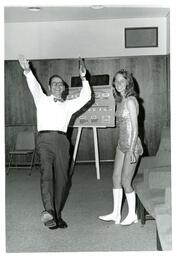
(56, 99)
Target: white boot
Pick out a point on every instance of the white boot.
(131, 217)
(116, 214)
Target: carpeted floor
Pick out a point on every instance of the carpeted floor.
(88, 199)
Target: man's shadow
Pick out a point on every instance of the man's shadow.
(75, 116)
(70, 133)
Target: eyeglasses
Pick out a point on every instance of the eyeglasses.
(57, 84)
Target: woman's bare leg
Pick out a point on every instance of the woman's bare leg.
(115, 215)
(118, 166)
(127, 175)
(128, 172)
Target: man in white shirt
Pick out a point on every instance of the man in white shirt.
(53, 117)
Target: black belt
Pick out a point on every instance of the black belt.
(48, 131)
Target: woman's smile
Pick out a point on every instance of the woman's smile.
(120, 83)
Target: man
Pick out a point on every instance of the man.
(53, 117)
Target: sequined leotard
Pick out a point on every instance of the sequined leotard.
(123, 121)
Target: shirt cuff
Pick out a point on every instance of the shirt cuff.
(85, 82)
(26, 72)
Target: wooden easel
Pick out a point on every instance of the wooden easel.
(95, 137)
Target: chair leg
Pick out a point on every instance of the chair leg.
(32, 163)
(138, 208)
(158, 243)
(143, 214)
(30, 172)
(9, 166)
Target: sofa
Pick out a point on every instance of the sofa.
(152, 185)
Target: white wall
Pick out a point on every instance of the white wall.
(168, 33)
(69, 39)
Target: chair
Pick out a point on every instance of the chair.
(24, 146)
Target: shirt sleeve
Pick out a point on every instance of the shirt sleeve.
(34, 86)
(85, 95)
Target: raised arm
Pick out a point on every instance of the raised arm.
(33, 84)
(85, 93)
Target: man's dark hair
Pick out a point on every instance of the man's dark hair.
(53, 76)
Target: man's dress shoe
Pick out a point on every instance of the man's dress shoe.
(48, 219)
(60, 223)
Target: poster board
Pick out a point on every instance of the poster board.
(100, 112)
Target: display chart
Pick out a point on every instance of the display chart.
(100, 112)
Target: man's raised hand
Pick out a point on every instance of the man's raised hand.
(82, 68)
(24, 63)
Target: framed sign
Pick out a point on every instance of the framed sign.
(96, 80)
(141, 37)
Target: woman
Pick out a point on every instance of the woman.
(128, 150)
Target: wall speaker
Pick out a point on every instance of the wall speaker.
(141, 37)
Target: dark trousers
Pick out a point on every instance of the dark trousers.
(53, 149)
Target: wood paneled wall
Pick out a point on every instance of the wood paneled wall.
(151, 77)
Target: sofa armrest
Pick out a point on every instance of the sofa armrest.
(153, 162)
(166, 207)
(164, 228)
(159, 177)
(146, 162)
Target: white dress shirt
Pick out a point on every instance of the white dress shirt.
(53, 115)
